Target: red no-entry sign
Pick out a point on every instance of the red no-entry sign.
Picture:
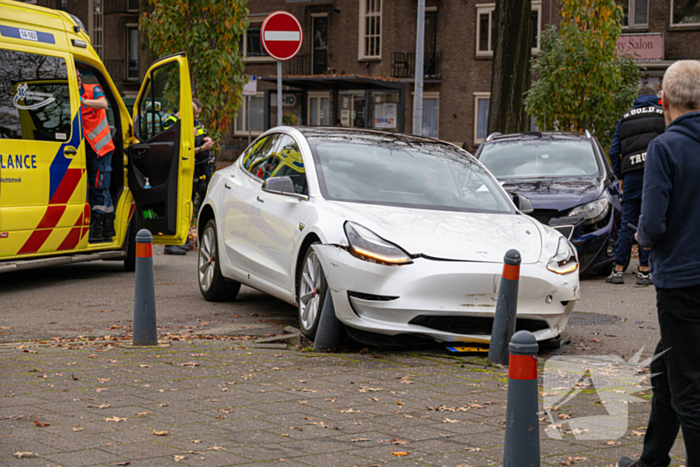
(281, 35)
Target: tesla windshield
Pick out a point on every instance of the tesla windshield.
(540, 159)
(412, 174)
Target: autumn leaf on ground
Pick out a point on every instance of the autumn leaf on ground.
(350, 410)
(41, 424)
(612, 443)
(115, 419)
(20, 455)
(144, 366)
(564, 416)
(123, 463)
(144, 413)
(100, 389)
(360, 440)
(160, 433)
(103, 380)
(79, 428)
(218, 448)
(75, 378)
(177, 458)
(474, 449)
(190, 364)
(162, 405)
(400, 403)
(399, 453)
(197, 441)
(449, 420)
(102, 406)
(637, 433)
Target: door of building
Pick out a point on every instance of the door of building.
(352, 109)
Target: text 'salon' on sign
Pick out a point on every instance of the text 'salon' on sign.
(641, 46)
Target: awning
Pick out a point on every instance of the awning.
(338, 82)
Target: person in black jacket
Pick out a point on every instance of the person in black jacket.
(634, 132)
(670, 227)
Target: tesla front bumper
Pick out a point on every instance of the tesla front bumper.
(449, 301)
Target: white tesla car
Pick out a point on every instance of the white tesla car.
(407, 233)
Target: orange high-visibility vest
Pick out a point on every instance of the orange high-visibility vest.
(95, 125)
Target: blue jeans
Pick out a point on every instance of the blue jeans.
(631, 209)
(99, 177)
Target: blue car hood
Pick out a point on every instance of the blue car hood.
(556, 193)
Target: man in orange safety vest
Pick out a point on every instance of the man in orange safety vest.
(99, 148)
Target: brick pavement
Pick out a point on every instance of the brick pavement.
(224, 404)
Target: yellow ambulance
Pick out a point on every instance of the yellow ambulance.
(44, 209)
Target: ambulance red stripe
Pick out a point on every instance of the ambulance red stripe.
(51, 217)
(36, 239)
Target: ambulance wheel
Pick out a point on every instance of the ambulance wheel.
(213, 285)
(130, 260)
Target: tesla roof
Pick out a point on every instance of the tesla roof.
(335, 132)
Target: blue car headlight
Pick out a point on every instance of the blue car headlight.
(594, 211)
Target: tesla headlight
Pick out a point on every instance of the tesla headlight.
(564, 260)
(594, 211)
(367, 245)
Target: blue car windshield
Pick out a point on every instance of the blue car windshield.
(540, 159)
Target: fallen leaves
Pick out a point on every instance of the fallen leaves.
(564, 416)
(464, 408)
(101, 406)
(41, 424)
(75, 378)
(104, 380)
(78, 428)
(160, 433)
(189, 364)
(123, 463)
(399, 453)
(20, 455)
(572, 460)
(144, 413)
(177, 458)
(350, 410)
(116, 419)
(100, 389)
(449, 420)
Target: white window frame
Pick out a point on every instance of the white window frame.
(477, 97)
(489, 8)
(363, 15)
(631, 5)
(244, 52)
(243, 112)
(680, 25)
(317, 95)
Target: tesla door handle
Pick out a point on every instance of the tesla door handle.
(226, 185)
(260, 199)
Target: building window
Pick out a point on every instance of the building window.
(97, 30)
(251, 46)
(132, 65)
(431, 114)
(132, 5)
(485, 28)
(370, 29)
(481, 115)
(635, 13)
(319, 109)
(257, 116)
(685, 12)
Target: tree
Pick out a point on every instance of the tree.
(510, 76)
(210, 33)
(582, 84)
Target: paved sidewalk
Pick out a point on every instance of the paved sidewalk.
(215, 403)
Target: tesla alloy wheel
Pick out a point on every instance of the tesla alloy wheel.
(213, 285)
(312, 294)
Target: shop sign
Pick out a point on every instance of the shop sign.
(641, 46)
(385, 115)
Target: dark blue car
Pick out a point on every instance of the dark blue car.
(570, 183)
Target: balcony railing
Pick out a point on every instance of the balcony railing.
(123, 70)
(303, 64)
(403, 65)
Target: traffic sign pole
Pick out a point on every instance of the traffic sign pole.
(248, 121)
(279, 93)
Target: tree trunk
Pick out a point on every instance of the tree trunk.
(510, 78)
(146, 54)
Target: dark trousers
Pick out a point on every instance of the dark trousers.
(99, 171)
(679, 319)
(663, 421)
(631, 209)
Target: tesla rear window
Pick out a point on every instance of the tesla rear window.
(540, 159)
(396, 173)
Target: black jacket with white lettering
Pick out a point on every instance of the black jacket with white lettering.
(637, 128)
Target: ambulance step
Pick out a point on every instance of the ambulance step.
(58, 260)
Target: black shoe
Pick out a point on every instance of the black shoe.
(108, 227)
(627, 462)
(643, 278)
(174, 250)
(188, 245)
(96, 228)
(615, 277)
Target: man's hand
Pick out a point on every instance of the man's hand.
(620, 184)
(635, 238)
(208, 145)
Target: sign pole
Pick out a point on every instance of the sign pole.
(279, 93)
(248, 120)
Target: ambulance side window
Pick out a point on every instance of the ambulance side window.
(159, 105)
(34, 97)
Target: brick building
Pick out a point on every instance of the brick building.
(356, 63)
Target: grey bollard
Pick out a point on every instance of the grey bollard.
(506, 309)
(145, 332)
(330, 331)
(522, 442)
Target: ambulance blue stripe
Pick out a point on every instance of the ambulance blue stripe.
(60, 163)
(27, 34)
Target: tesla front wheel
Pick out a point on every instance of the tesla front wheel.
(312, 294)
(213, 285)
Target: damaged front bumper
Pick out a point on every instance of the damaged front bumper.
(448, 301)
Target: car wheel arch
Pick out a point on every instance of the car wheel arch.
(305, 244)
(205, 215)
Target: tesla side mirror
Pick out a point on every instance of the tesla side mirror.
(281, 186)
(524, 204)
